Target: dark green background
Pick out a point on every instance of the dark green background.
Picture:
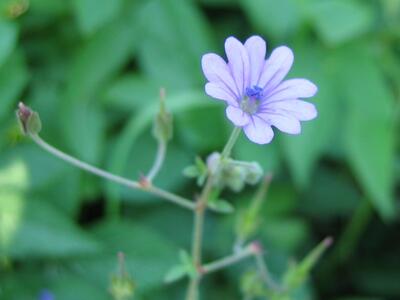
(93, 69)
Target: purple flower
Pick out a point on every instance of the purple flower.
(254, 88)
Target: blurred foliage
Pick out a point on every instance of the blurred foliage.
(93, 69)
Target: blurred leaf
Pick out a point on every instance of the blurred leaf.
(338, 21)
(193, 125)
(331, 195)
(8, 39)
(273, 18)
(173, 61)
(268, 157)
(70, 286)
(35, 229)
(369, 133)
(284, 234)
(130, 91)
(148, 256)
(221, 206)
(13, 79)
(175, 273)
(96, 61)
(85, 131)
(304, 150)
(93, 14)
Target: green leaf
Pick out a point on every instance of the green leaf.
(173, 60)
(369, 135)
(221, 206)
(338, 21)
(148, 256)
(274, 18)
(36, 229)
(191, 127)
(304, 150)
(8, 39)
(13, 79)
(96, 62)
(175, 273)
(129, 92)
(93, 14)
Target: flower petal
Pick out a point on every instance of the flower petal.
(283, 122)
(237, 116)
(256, 48)
(301, 110)
(258, 131)
(218, 92)
(217, 71)
(292, 89)
(276, 68)
(239, 63)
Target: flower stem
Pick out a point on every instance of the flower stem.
(201, 205)
(231, 142)
(227, 261)
(264, 272)
(160, 156)
(183, 202)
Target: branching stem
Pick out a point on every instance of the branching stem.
(149, 188)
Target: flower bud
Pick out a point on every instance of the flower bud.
(29, 120)
(162, 125)
(233, 174)
(122, 286)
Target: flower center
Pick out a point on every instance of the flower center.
(251, 100)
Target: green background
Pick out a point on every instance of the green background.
(93, 70)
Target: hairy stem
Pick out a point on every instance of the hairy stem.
(158, 162)
(227, 261)
(201, 205)
(183, 202)
(264, 272)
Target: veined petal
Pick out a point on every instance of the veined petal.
(220, 92)
(256, 48)
(239, 63)
(276, 68)
(292, 89)
(237, 116)
(301, 110)
(283, 122)
(258, 131)
(217, 71)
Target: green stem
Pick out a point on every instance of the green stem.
(231, 142)
(201, 205)
(183, 202)
(264, 272)
(158, 162)
(227, 261)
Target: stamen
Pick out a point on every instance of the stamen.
(254, 92)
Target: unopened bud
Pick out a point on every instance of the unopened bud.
(162, 126)
(122, 286)
(29, 120)
(232, 173)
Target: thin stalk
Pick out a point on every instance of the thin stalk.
(158, 162)
(264, 272)
(183, 202)
(197, 241)
(227, 261)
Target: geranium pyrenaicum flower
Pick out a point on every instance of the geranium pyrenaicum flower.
(254, 88)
